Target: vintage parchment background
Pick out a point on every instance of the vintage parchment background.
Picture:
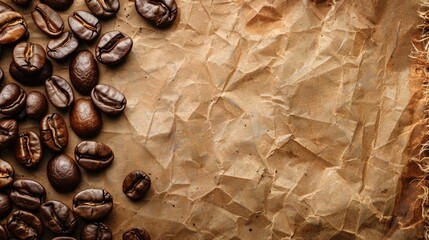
(257, 119)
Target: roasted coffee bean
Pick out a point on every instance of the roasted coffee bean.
(4, 235)
(59, 5)
(93, 156)
(12, 27)
(83, 72)
(160, 13)
(8, 131)
(24, 225)
(5, 206)
(57, 217)
(63, 173)
(136, 184)
(34, 80)
(22, 3)
(28, 149)
(27, 194)
(29, 58)
(95, 231)
(49, 21)
(6, 174)
(136, 233)
(84, 25)
(103, 8)
(108, 99)
(63, 238)
(53, 132)
(36, 105)
(63, 46)
(113, 47)
(85, 119)
(92, 204)
(12, 99)
(4, 7)
(59, 92)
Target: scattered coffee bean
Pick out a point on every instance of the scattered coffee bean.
(53, 132)
(136, 233)
(92, 204)
(28, 149)
(8, 131)
(113, 47)
(63, 173)
(103, 8)
(22, 3)
(95, 231)
(85, 119)
(57, 217)
(12, 99)
(108, 99)
(36, 105)
(3, 232)
(5, 206)
(136, 184)
(49, 21)
(84, 25)
(59, 92)
(63, 46)
(35, 80)
(160, 13)
(93, 156)
(27, 194)
(83, 72)
(29, 58)
(59, 5)
(12, 27)
(24, 225)
(6, 174)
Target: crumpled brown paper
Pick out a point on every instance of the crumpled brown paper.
(279, 119)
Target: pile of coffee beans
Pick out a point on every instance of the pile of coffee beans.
(30, 66)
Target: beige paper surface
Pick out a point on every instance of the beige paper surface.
(258, 119)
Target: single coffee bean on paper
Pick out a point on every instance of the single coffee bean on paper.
(84, 25)
(108, 99)
(160, 13)
(92, 204)
(136, 184)
(113, 47)
(85, 118)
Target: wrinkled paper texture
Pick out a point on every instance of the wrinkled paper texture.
(256, 119)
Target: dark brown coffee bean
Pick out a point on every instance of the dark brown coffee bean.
(85, 119)
(63, 238)
(29, 58)
(4, 235)
(103, 8)
(136, 184)
(34, 80)
(93, 156)
(53, 132)
(95, 231)
(36, 105)
(6, 174)
(136, 233)
(63, 173)
(5, 206)
(63, 46)
(27, 194)
(83, 72)
(24, 225)
(12, 99)
(28, 149)
(12, 27)
(108, 99)
(84, 25)
(4, 7)
(22, 3)
(59, 5)
(59, 92)
(92, 204)
(113, 47)
(57, 217)
(8, 131)
(49, 21)
(160, 13)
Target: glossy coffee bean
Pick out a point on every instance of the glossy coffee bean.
(36, 105)
(5, 205)
(33, 80)
(160, 13)
(59, 5)
(84, 25)
(24, 225)
(57, 217)
(83, 72)
(12, 99)
(59, 92)
(63, 46)
(49, 21)
(63, 173)
(6, 174)
(53, 132)
(95, 231)
(93, 156)
(8, 131)
(28, 149)
(29, 58)
(136, 184)
(103, 8)
(136, 233)
(4, 7)
(22, 3)
(4, 235)
(92, 204)
(27, 194)
(85, 119)
(12, 27)
(108, 99)
(113, 47)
